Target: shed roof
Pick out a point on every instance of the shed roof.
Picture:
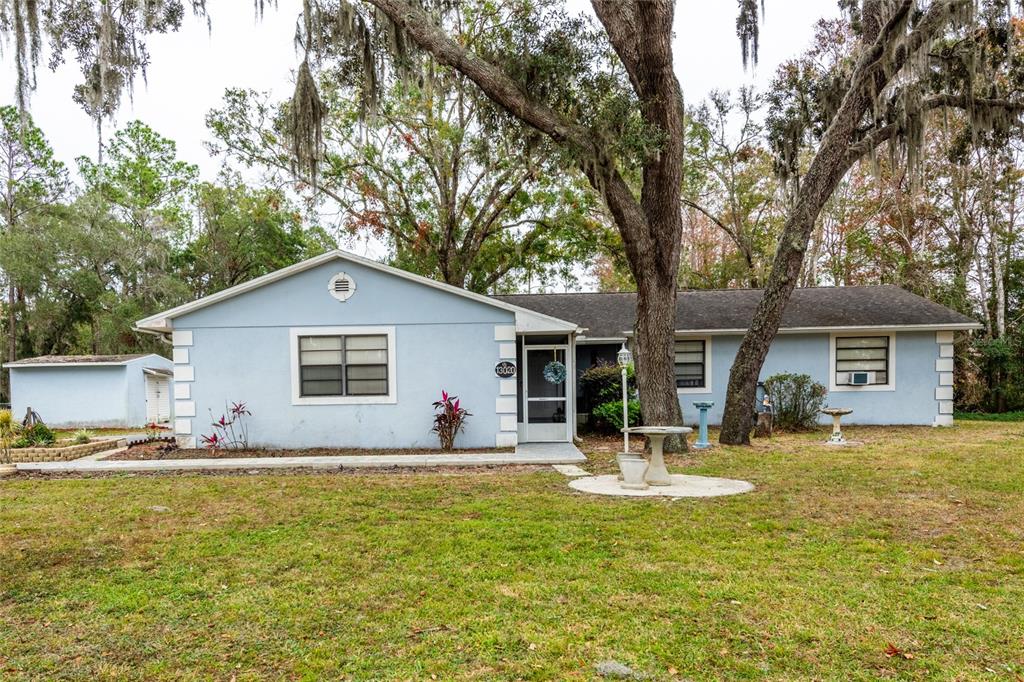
(612, 315)
(52, 360)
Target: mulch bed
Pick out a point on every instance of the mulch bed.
(502, 469)
(155, 451)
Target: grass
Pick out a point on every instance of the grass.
(915, 539)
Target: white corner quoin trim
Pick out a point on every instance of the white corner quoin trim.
(181, 337)
(890, 385)
(944, 370)
(298, 399)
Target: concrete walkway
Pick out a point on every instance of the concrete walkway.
(554, 453)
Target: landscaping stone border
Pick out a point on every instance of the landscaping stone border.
(64, 454)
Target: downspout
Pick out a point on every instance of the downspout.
(163, 336)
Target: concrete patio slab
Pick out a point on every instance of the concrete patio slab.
(682, 486)
(562, 455)
(563, 451)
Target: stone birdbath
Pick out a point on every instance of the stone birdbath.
(656, 473)
(837, 432)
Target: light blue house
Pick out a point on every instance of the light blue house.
(93, 390)
(880, 350)
(342, 351)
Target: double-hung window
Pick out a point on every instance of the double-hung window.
(862, 360)
(691, 363)
(355, 366)
(343, 365)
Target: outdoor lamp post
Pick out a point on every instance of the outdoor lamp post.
(625, 358)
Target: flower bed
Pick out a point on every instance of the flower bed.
(152, 451)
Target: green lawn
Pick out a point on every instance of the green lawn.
(915, 539)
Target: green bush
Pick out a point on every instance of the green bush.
(608, 416)
(9, 432)
(796, 400)
(1017, 416)
(35, 435)
(602, 383)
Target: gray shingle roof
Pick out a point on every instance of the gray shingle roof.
(76, 359)
(609, 315)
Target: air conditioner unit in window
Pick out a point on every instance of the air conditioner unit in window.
(861, 378)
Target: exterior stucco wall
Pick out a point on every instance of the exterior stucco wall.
(71, 396)
(914, 400)
(84, 395)
(240, 350)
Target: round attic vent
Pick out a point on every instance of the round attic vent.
(342, 286)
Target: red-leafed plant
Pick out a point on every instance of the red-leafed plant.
(449, 419)
(230, 431)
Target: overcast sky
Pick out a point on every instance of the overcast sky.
(190, 69)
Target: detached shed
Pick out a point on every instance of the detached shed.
(93, 390)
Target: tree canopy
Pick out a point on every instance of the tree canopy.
(492, 145)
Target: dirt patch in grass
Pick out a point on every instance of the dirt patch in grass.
(601, 451)
(155, 451)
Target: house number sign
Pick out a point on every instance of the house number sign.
(505, 369)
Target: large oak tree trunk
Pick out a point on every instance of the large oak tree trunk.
(827, 169)
(837, 153)
(651, 227)
(655, 356)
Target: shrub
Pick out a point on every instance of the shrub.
(81, 437)
(796, 400)
(9, 430)
(37, 434)
(449, 420)
(230, 431)
(602, 383)
(608, 416)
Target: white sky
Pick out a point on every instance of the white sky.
(191, 68)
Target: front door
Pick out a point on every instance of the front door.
(158, 399)
(545, 393)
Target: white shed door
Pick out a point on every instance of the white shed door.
(158, 399)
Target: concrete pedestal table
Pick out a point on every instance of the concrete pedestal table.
(837, 432)
(656, 473)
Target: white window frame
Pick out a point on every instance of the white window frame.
(706, 388)
(890, 384)
(298, 399)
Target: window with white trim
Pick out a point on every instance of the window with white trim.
(862, 360)
(691, 359)
(349, 365)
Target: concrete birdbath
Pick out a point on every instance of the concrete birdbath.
(836, 413)
(702, 433)
(656, 473)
